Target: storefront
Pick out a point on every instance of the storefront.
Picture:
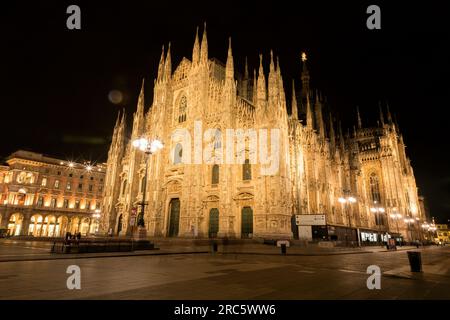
(371, 237)
(345, 235)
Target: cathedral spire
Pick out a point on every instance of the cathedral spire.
(246, 66)
(204, 47)
(196, 50)
(261, 83)
(305, 76)
(140, 104)
(168, 65)
(121, 129)
(272, 86)
(229, 69)
(272, 65)
(389, 116)
(332, 135)
(161, 65)
(117, 121)
(319, 118)
(358, 115)
(309, 114)
(294, 102)
(138, 117)
(280, 84)
(341, 138)
(381, 113)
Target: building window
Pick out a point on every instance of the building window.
(247, 170)
(374, 188)
(53, 203)
(68, 186)
(80, 186)
(97, 205)
(178, 154)
(92, 178)
(88, 205)
(182, 110)
(90, 187)
(215, 174)
(77, 204)
(59, 173)
(40, 201)
(44, 182)
(66, 203)
(56, 184)
(100, 188)
(25, 177)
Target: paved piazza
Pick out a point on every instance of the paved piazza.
(221, 276)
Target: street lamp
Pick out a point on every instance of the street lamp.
(148, 147)
(396, 216)
(377, 210)
(344, 201)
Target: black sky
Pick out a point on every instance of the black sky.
(55, 82)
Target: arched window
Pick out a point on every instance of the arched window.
(374, 188)
(178, 154)
(182, 109)
(247, 170)
(215, 174)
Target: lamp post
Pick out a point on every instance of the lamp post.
(377, 210)
(396, 216)
(148, 147)
(350, 200)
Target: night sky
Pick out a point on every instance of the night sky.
(55, 82)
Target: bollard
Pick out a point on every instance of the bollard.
(214, 247)
(283, 249)
(415, 261)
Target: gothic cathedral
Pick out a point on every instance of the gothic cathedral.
(318, 167)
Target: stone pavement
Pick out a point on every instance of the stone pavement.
(230, 276)
(21, 250)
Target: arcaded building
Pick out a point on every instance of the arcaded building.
(206, 182)
(42, 196)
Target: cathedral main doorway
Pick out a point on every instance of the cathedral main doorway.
(213, 222)
(174, 219)
(247, 222)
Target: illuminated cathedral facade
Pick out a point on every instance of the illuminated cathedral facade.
(362, 182)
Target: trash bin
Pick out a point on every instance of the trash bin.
(415, 261)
